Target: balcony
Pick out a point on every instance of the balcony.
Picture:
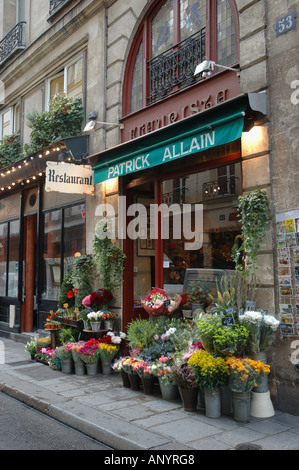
(12, 42)
(222, 187)
(174, 69)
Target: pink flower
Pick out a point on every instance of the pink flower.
(163, 359)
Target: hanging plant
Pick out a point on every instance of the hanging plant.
(109, 256)
(254, 215)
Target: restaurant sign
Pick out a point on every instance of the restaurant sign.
(69, 178)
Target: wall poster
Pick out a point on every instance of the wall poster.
(287, 236)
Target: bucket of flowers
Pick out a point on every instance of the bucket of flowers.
(109, 319)
(89, 353)
(107, 351)
(245, 374)
(162, 369)
(144, 370)
(128, 365)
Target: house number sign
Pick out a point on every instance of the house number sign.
(286, 23)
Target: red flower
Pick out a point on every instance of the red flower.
(70, 294)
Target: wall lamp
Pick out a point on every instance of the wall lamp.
(207, 66)
(92, 122)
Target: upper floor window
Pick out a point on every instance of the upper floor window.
(174, 37)
(68, 81)
(10, 121)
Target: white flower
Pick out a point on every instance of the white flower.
(122, 335)
(251, 316)
(94, 316)
(271, 321)
(116, 339)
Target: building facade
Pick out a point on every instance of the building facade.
(184, 140)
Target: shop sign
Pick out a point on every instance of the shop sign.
(69, 178)
(184, 145)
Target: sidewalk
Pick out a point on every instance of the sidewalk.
(127, 420)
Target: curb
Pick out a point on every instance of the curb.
(113, 438)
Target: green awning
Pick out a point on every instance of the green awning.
(221, 125)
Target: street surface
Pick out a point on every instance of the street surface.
(23, 428)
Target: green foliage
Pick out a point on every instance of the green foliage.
(10, 149)
(111, 262)
(64, 119)
(66, 286)
(255, 213)
(140, 333)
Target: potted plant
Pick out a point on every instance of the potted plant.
(185, 379)
(212, 374)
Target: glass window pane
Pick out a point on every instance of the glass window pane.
(13, 268)
(162, 29)
(192, 17)
(74, 233)
(217, 190)
(56, 86)
(226, 40)
(51, 255)
(74, 79)
(6, 123)
(3, 250)
(136, 100)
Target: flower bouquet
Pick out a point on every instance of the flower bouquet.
(245, 373)
(128, 365)
(100, 297)
(109, 316)
(89, 352)
(143, 369)
(162, 369)
(262, 330)
(107, 351)
(158, 303)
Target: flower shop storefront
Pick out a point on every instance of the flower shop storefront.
(179, 189)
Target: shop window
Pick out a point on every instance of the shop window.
(173, 38)
(68, 81)
(9, 258)
(218, 231)
(64, 238)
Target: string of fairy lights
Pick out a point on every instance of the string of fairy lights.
(10, 177)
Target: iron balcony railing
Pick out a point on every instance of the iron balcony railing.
(56, 4)
(174, 68)
(221, 187)
(13, 41)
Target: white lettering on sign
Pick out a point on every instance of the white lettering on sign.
(178, 150)
(138, 163)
